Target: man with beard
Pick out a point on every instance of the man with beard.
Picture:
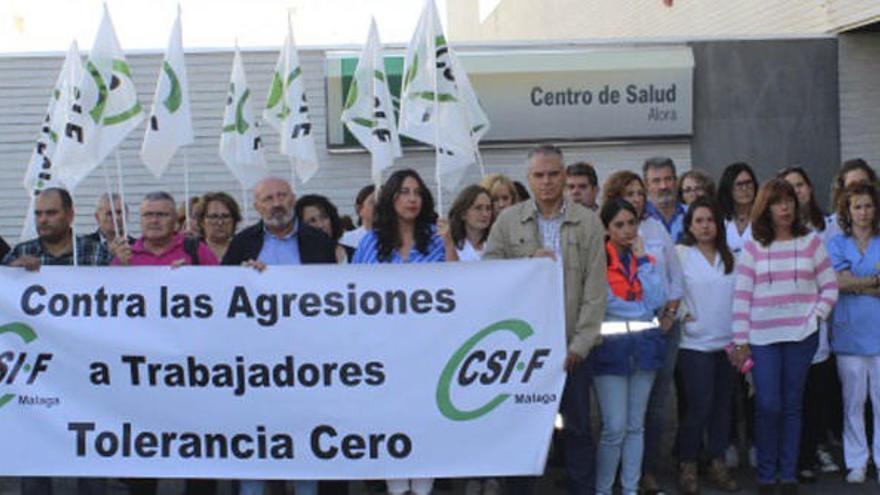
(53, 212)
(53, 215)
(662, 206)
(661, 182)
(278, 239)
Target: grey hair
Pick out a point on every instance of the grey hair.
(105, 198)
(160, 196)
(658, 162)
(544, 150)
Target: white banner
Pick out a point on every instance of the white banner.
(312, 372)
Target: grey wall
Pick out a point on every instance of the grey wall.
(769, 103)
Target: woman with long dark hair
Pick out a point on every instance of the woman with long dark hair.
(821, 378)
(706, 373)
(405, 231)
(736, 196)
(784, 286)
(470, 219)
(317, 211)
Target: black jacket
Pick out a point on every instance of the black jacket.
(96, 236)
(314, 245)
(4, 248)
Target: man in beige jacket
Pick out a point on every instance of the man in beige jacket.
(550, 226)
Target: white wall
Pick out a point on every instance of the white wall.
(859, 86)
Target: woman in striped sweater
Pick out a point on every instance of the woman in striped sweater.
(784, 286)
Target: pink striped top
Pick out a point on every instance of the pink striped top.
(782, 290)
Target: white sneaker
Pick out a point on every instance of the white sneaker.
(731, 457)
(753, 456)
(856, 475)
(826, 461)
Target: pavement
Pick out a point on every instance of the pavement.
(552, 483)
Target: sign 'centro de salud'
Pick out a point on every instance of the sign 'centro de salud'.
(327, 372)
(594, 94)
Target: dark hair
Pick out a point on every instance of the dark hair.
(521, 191)
(362, 196)
(583, 169)
(463, 202)
(703, 180)
(658, 162)
(847, 167)
(227, 201)
(386, 223)
(844, 219)
(720, 232)
(726, 185)
(814, 212)
(771, 193)
(63, 195)
(611, 208)
(323, 203)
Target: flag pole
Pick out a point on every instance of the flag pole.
(437, 138)
(73, 236)
(244, 201)
(186, 183)
(121, 191)
(110, 199)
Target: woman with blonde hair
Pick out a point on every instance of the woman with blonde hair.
(502, 190)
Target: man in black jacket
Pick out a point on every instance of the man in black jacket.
(278, 239)
(4, 248)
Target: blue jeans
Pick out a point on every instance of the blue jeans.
(780, 373)
(708, 385)
(257, 487)
(622, 401)
(580, 455)
(655, 422)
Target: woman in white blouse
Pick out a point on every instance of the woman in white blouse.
(736, 195)
(470, 219)
(708, 267)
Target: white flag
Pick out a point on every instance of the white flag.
(105, 112)
(170, 122)
(241, 147)
(369, 111)
(287, 110)
(41, 172)
(452, 120)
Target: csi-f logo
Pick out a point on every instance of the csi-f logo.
(479, 368)
(20, 367)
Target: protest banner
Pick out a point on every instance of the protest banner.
(299, 372)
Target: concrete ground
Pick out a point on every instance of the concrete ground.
(551, 484)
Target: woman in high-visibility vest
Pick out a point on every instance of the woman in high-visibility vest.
(631, 351)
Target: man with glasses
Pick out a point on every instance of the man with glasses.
(160, 243)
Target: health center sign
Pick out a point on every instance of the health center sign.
(556, 94)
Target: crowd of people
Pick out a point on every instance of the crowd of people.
(745, 302)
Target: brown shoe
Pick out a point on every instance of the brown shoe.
(720, 477)
(688, 483)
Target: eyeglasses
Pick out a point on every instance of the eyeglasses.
(691, 190)
(744, 184)
(218, 217)
(156, 214)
